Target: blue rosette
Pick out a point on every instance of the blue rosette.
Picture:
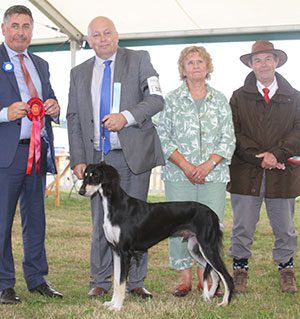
(8, 67)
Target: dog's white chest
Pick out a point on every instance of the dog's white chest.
(112, 233)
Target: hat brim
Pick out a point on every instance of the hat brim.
(280, 54)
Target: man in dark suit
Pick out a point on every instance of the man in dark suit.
(134, 144)
(15, 134)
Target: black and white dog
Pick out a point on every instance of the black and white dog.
(133, 226)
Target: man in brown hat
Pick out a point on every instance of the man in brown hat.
(266, 116)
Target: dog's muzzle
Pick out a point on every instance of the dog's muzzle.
(82, 190)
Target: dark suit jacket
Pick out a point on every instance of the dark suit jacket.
(140, 143)
(9, 93)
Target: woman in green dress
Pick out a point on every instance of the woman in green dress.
(197, 137)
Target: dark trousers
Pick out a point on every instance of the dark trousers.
(30, 191)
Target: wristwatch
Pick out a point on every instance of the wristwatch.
(214, 162)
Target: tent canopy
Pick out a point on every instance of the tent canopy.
(59, 23)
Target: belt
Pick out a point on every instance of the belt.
(24, 141)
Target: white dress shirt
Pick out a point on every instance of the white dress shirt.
(273, 88)
(96, 86)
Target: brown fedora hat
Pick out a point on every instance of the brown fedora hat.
(262, 46)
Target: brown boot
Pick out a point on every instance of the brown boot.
(240, 277)
(287, 280)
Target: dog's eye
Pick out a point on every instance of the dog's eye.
(94, 177)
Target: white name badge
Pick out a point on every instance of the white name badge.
(116, 98)
(154, 86)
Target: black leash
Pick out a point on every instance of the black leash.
(103, 140)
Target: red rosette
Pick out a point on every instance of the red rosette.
(35, 114)
(36, 108)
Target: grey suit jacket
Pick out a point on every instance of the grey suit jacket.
(140, 143)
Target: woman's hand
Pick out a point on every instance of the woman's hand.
(200, 172)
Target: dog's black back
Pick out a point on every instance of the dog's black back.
(145, 224)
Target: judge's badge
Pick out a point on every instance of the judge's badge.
(154, 86)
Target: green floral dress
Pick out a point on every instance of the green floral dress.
(196, 130)
(196, 135)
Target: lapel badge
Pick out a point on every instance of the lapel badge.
(8, 67)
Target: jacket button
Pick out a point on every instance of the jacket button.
(92, 120)
(19, 123)
(92, 141)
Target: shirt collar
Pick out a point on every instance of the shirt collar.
(100, 61)
(272, 87)
(186, 93)
(11, 53)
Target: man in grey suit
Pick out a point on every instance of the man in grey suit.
(134, 144)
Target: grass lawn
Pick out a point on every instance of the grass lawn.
(68, 250)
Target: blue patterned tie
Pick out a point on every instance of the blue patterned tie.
(105, 105)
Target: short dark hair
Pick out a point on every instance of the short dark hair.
(16, 10)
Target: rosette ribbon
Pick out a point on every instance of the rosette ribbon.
(35, 114)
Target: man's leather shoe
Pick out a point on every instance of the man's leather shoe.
(97, 292)
(181, 290)
(141, 292)
(45, 290)
(8, 296)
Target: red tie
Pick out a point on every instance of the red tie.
(266, 96)
(37, 124)
(27, 78)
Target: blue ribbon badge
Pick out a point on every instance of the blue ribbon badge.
(8, 67)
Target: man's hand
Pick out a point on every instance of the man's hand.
(114, 122)
(79, 170)
(51, 108)
(17, 110)
(270, 161)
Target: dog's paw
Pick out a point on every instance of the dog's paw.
(113, 306)
(206, 297)
(108, 304)
(225, 301)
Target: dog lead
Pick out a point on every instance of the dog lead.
(103, 140)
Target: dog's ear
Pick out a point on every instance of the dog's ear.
(109, 174)
(110, 179)
(93, 174)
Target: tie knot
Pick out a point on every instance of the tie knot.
(107, 63)
(266, 90)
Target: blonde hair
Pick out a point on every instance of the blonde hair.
(204, 55)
